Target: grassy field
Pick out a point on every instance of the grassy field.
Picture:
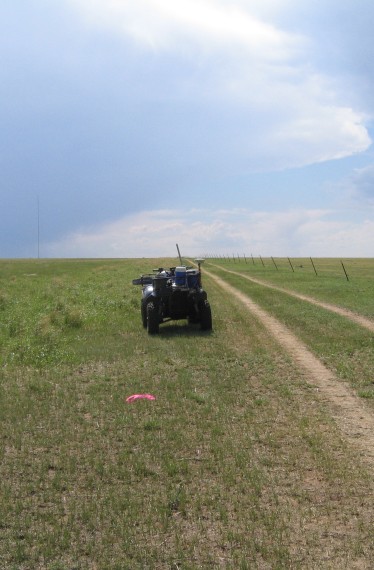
(345, 347)
(324, 279)
(236, 464)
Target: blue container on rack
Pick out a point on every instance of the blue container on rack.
(180, 276)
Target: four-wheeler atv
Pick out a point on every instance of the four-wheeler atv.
(174, 294)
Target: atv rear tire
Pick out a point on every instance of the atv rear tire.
(205, 316)
(152, 318)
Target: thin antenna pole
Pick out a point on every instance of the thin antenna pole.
(38, 229)
(179, 254)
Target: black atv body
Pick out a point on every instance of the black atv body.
(173, 294)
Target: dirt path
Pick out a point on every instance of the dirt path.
(363, 321)
(350, 413)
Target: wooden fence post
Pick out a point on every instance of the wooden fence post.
(315, 271)
(344, 271)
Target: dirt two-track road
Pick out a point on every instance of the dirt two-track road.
(355, 421)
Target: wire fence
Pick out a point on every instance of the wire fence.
(345, 268)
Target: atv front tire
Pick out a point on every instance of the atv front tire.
(152, 318)
(143, 310)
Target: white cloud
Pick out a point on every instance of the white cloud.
(319, 134)
(198, 232)
(290, 114)
(214, 24)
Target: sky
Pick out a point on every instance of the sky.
(226, 126)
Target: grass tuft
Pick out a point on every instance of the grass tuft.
(73, 318)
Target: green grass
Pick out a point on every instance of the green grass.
(236, 464)
(330, 283)
(345, 347)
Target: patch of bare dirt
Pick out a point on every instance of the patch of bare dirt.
(350, 413)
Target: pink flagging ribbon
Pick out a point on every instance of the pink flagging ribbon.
(140, 397)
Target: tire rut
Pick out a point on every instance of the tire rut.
(358, 319)
(354, 419)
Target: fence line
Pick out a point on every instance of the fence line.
(319, 268)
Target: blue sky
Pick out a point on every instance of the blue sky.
(228, 126)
